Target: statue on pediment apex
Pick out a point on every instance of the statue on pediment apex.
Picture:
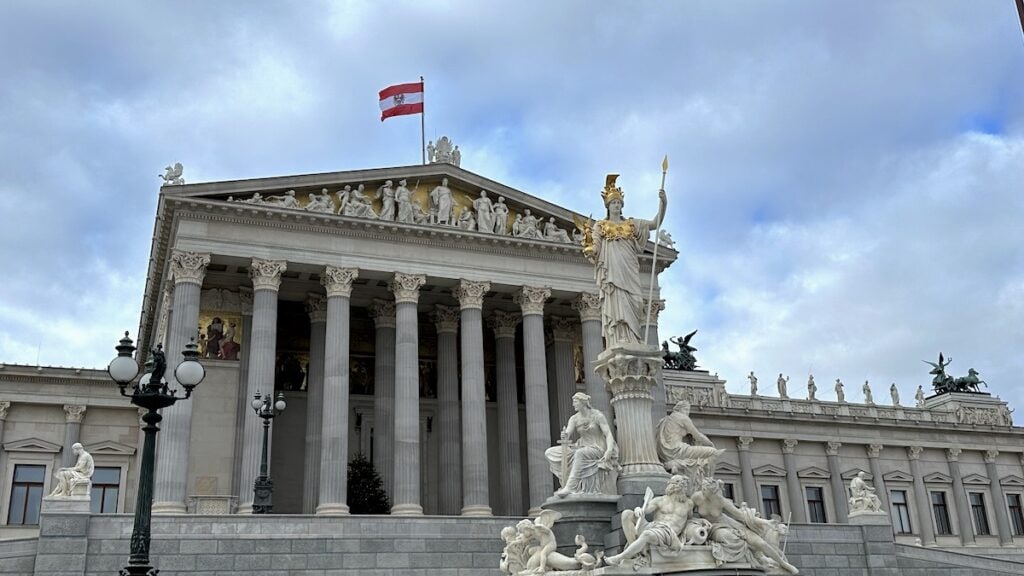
(172, 175)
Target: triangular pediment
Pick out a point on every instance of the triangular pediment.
(849, 474)
(1011, 480)
(110, 448)
(897, 476)
(726, 468)
(976, 479)
(813, 472)
(32, 445)
(938, 478)
(769, 470)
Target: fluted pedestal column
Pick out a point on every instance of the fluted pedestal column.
(316, 307)
(538, 432)
(504, 326)
(659, 407)
(998, 499)
(963, 510)
(874, 451)
(266, 281)
(839, 497)
(446, 321)
(73, 414)
(589, 307)
(475, 496)
(630, 374)
(750, 495)
(924, 506)
(406, 499)
(170, 484)
(384, 392)
(796, 499)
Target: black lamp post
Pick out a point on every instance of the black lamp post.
(263, 488)
(152, 393)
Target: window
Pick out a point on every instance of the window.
(727, 490)
(770, 501)
(941, 513)
(979, 514)
(815, 504)
(1016, 514)
(26, 494)
(900, 512)
(106, 484)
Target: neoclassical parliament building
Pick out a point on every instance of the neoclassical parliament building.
(438, 323)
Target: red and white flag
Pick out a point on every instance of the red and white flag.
(401, 99)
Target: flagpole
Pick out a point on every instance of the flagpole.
(423, 125)
(654, 261)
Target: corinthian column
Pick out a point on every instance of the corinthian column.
(924, 505)
(747, 471)
(504, 326)
(406, 500)
(316, 307)
(998, 499)
(475, 499)
(839, 497)
(562, 332)
(874, 451)
(538, 431)
(658, 406)
(266, 281)
(384, 391)
(963, 511)
(589, 307)
(446, 320)
(188, 270)
(334, 410)
(73, 415)
(796, 500)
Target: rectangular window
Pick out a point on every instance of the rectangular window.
(941, 513)
(979, 514)
(770, 501)
(900, 512)
(1016, 514)
(26, 494)
(816, 504)
(727, 490)
(106, 484)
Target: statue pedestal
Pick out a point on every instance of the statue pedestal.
(726, 570)
(868, 518)
(66, 505)
(589, 515)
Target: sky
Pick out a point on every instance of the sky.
(846, 180)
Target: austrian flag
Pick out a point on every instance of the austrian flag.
(401, 99)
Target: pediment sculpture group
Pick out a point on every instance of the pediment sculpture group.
(692, 512)
(397, 205)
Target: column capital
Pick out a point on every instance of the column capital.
(446, 318)
(656, 306)
(788, 445)
(338, 281)
(4, 407)
(316, 307)
(266, 274)
(743, 443)
(407, 286)
(504, 323)
(874, 450)
(531, 299)
(563, 329)
(245, 300)
(588, 304)
(914, 452)
(953, 454)
(383, 312)
(470, 293)
(74, 412)
(832, 448)
(189, 267)
(990, 458)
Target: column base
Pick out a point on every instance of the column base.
(169, 508)
(244, 509)
(477, 510)
(534, 512)
(407, 510)
(332, 510)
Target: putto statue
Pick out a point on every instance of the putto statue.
(682, 447)
(586, 465)
(77, 480)
(682, 360)
(530, 547)
(614, 247)
(172, 175)
(863, 499)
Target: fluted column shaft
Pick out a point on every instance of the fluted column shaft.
(5, 406)
(998, 499)
(589, 307)
(562, 332)
(538, 431)
(73, 415)
(384, 392)
(796, 499)
(406, 500)
(874, 450)
(242, 404)
(171, 481)
(316, 307)
(924, 506)
(504, 326)
(750, 494)
(475, 496)
(658, 403)
(839, 498)
(446, 320)
(963, 510)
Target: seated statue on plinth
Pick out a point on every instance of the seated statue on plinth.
(680, 456)
(77, 480)
(586, 465)
(862, 496)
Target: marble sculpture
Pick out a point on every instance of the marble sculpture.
(76, 480)
(172, 175)
(586, 465)
(682, 447)
(862, 497)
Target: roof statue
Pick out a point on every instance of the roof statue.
(443, 152)
(944, 383)
(172, 175)
(684, 358)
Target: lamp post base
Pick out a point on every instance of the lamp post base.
(263, 493)
(140, 570)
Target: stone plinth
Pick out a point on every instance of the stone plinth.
(727, 570)
(66, 505)
(587, 514)
(867, 518)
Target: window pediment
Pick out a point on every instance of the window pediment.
(1012, 480)
(32, 445)
(814, 472)
(769, 470)
(726, 468)
(897, 476)
(110, 448)
(976, 479)
(939, 478)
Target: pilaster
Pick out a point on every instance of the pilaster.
(793, 488)
(924, 523)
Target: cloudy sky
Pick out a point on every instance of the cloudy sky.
(846, 183)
